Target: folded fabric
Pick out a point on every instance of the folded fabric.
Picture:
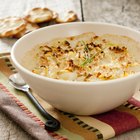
(96, 127)
(10, 105)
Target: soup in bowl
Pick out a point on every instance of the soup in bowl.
(81, 68)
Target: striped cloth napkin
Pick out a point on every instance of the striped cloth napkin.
(97, 127)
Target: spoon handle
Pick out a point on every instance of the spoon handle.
(52, 124)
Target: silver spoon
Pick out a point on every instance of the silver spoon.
(18, 83)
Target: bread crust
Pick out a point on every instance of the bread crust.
(11, 25)
(69, 17)
(39, 15)
(29, 28)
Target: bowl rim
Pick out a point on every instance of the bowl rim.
(67, 82)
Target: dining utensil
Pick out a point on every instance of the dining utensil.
(18, 83)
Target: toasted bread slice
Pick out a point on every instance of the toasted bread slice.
(39, 15)
(68, 17)
(29, 28)
(11, 25)
(55, 15)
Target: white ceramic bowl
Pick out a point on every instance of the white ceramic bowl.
(82, 98)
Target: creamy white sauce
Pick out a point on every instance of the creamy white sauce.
(86, 58)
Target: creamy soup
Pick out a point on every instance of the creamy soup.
(86, 57)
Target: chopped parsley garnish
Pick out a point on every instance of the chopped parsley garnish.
(89, 60)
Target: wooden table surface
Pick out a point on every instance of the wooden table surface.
(123, 12)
